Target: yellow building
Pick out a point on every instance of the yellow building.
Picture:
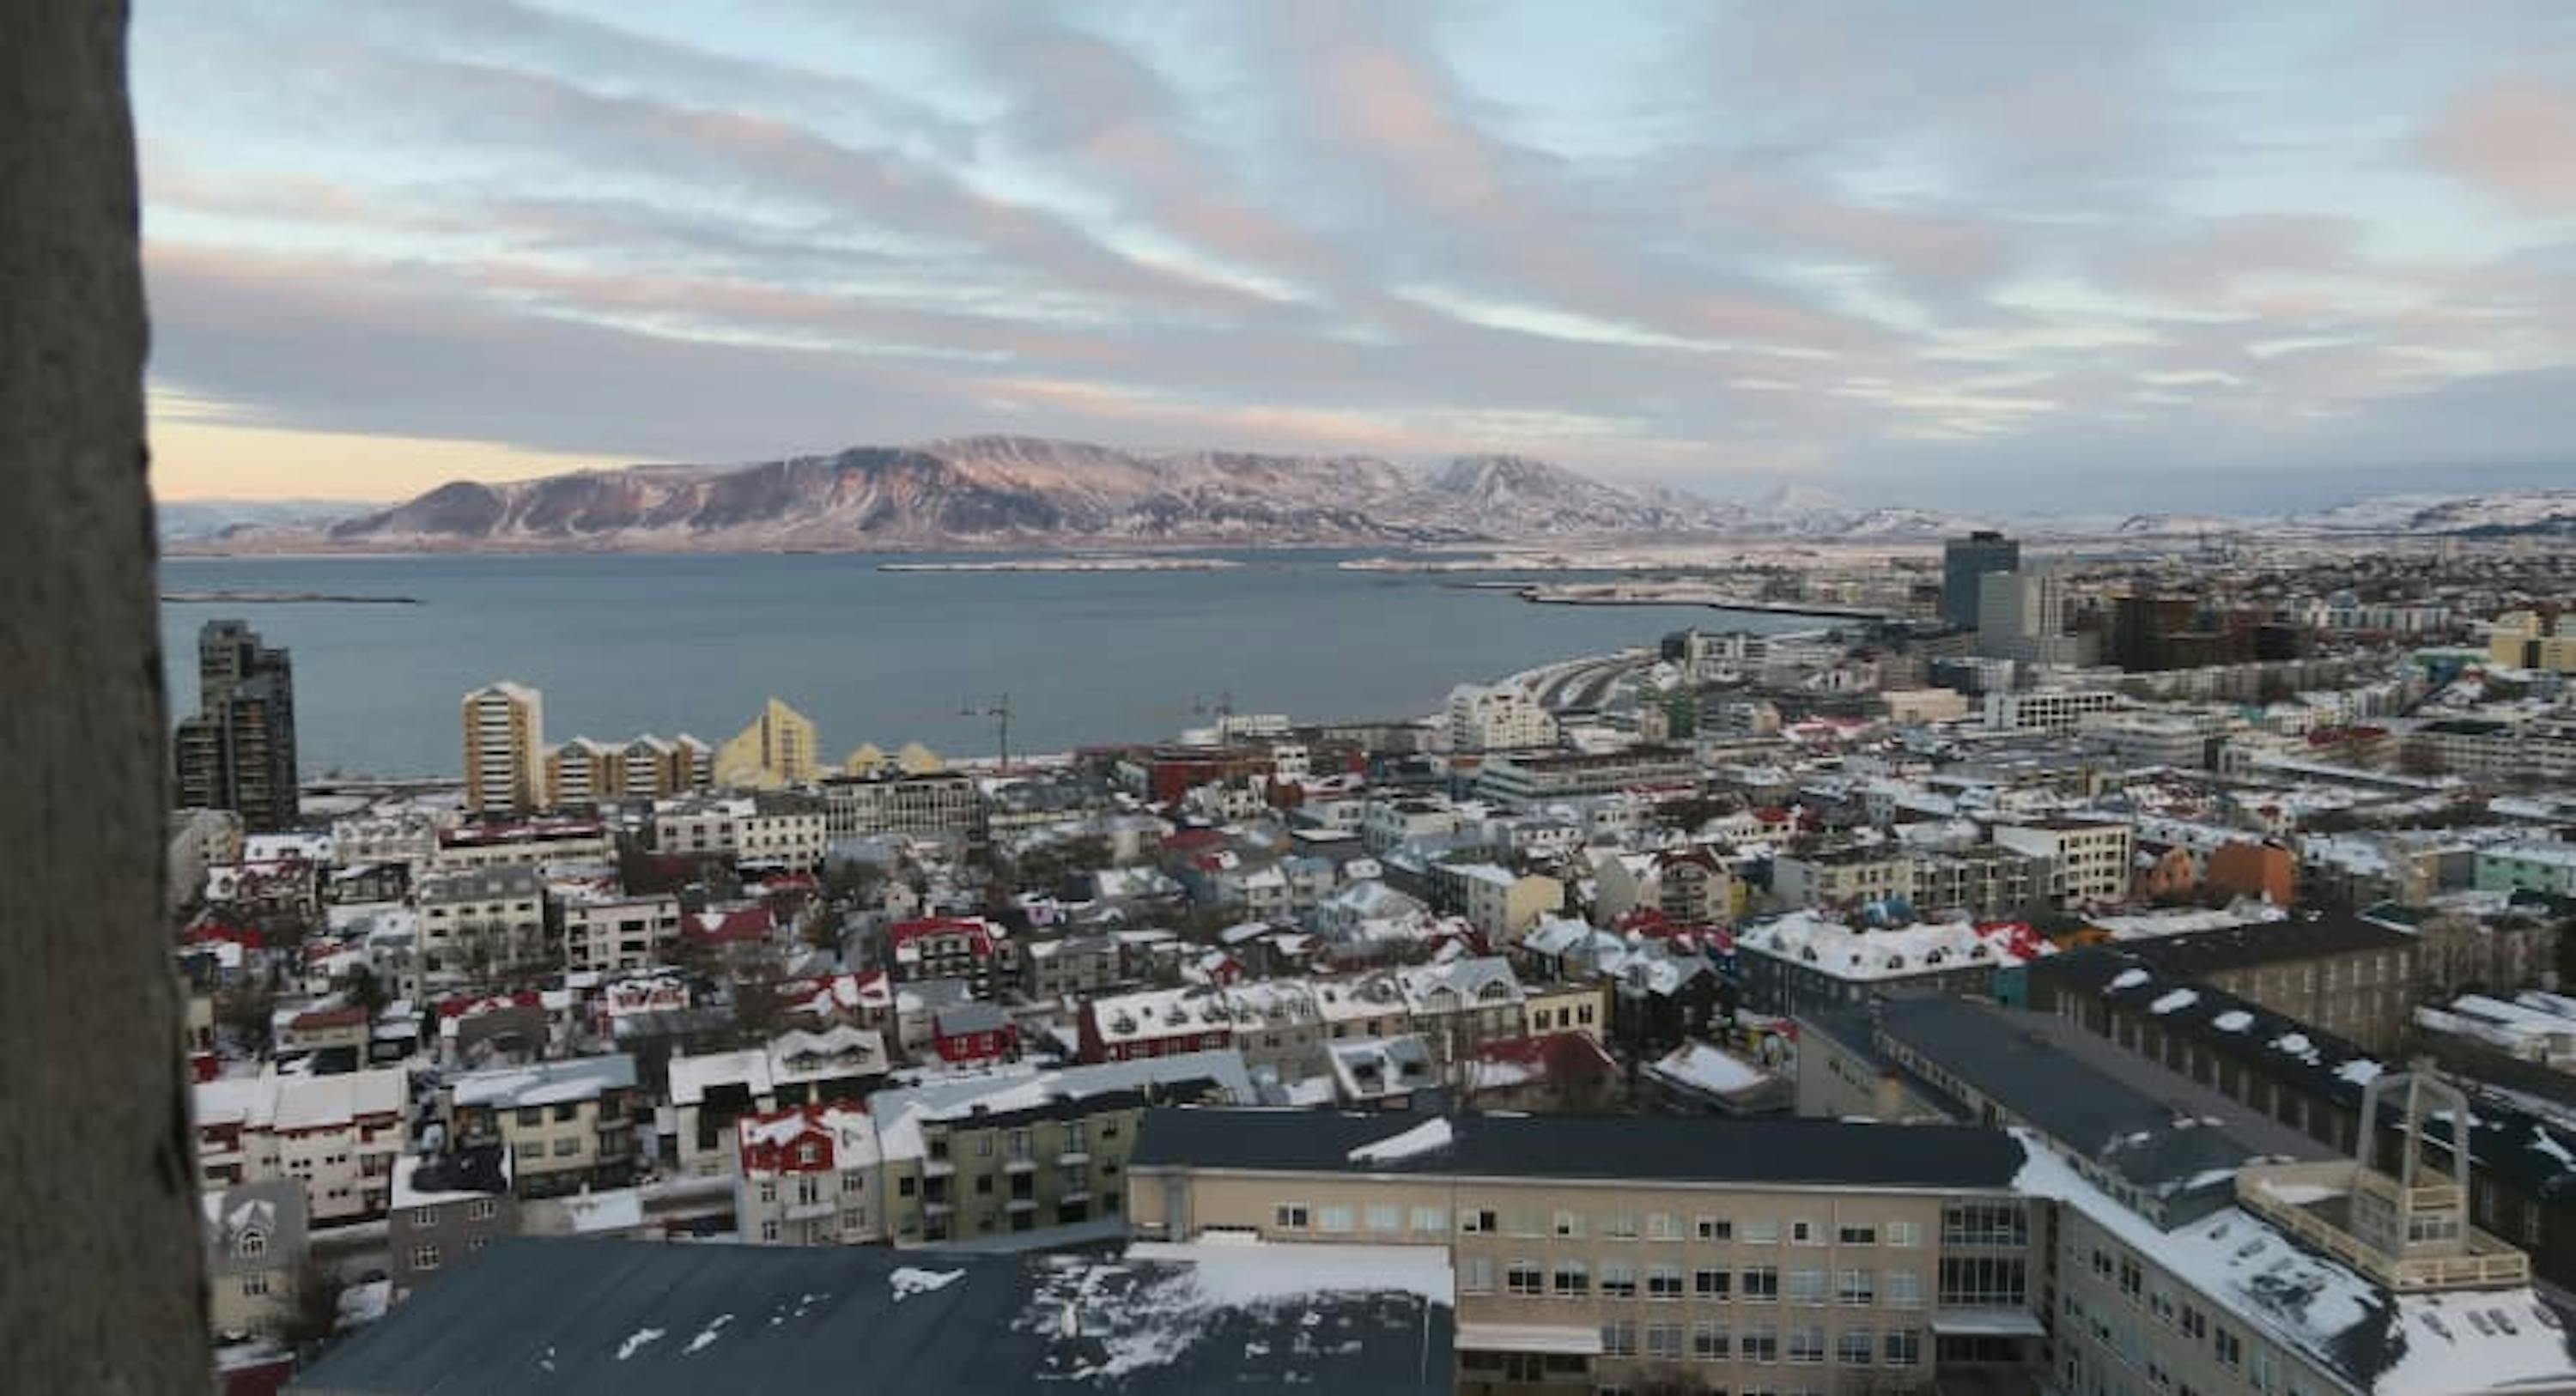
(776, 749)
(504, 748)
(2528, 640)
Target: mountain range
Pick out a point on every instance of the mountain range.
(1024, 492)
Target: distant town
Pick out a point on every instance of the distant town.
(2051, 972)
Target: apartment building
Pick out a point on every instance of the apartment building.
(1499, 717)
(1595, 1254)
(967, 948)
(1460, 1005)
(606, 933)
(568, 1125)
(2536, 866)
(708, 1092)
(505, 740)
(2083, 862)
(238, 752)
(498, 843)
(1029, 1151)
(1802, 962)
(782, 830)
(584, 772)
(255, 1243)
(447, 1206)
(473, 921)
(1496, 901)
(336, 1135)
(809, 1176)
(1984, 882)
(1843, 876)
(777, 749)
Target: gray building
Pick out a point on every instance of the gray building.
(1963, 562)
(238, 752)
(447, 1207)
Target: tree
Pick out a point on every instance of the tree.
(248, 1011)
(366, 991)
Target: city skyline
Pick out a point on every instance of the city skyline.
(2244, 261)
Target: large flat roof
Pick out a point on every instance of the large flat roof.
(1788, 1153)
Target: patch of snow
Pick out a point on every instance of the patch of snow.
(636, 1342)
(909, 1281)
(2174, 1001)
(2361, 1071)
(2130, 978)
(1430, 1136)
(2233, 1020)
(707, 1335)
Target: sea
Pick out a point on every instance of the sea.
(625, 643)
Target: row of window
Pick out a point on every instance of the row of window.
(480, 1209)
(1672, 1226)
(1804, 1344)
(1753, 1284)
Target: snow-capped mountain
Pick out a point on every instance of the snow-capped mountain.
(197, 520)
(984, 491)
(2516, 511)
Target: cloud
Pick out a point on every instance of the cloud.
(1952, 251)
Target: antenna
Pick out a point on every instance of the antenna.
(1000, 711)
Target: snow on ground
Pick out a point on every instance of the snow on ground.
(637, 1341)
(1430, 1136)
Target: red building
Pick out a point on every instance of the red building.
(947, 947)
(971, 1033)
(1156, 1023)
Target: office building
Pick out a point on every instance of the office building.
(1965, 562)
(1596, 1254)
(505, 739)
(238, 752)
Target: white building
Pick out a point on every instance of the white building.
(610, 933)
(1498, 717)
(471, 921)
(2086, 861)
(2046, 709)
(336, 1135)
(809, 1176)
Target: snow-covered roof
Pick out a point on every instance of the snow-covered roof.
(1894, 953)
(546, 1083)
(1702, 1068)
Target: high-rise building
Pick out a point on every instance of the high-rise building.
(778, 748)
(583, 772)
(1963, 562)
(2028, 616)
(238, 752)
(505, 748)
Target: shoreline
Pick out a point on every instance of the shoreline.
(283, 598)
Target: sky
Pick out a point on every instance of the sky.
(2048, 255)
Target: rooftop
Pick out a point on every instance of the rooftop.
(1786, 1153)
(624, 1318)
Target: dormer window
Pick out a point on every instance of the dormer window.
(251, 1245)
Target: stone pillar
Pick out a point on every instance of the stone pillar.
(105, 1289)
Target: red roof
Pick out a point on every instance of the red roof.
(974, 927)
(467, 1005)
(1553, 1055)
(729, 925)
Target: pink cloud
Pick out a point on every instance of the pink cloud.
(2517, 136)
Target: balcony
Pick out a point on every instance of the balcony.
(1073, 1158)
(938, 1168)
(2312, 1201)
(816, 1210)
(1020, 1165)
(1022, 1204)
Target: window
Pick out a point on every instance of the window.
(1571, 1280)
(1020, 1145)
(2131, 1278)
(1714, 1229)
(1803, 1233)
(1335, 1218)
(1664, 1282)
(2195, 1324)
(424, 1216)
(1982, 1281)
(1289, 1216)
(567, 1112)
(1759, 1233)
(809, 1190)
(1717, 1285)
(424, 1257)
(1985, 1224)
(1476, 1274)
(1806, 1287)
(532, 1114)
(1430, 1221)
(853, 1221)
(1761, 1284)
(1619, 1339)
(1903, 1349)
(768, 1191)
(1568, 1224)
(1758, 1344)
(904, 1185)
(566, 1148)
(1905, 1289)
(854, 1181)
(1524, 1279)
(1663, 1226)
(769, 1231)
(1855, 1347)
(1806, 1344)
(1856, 1234)
(2230, 1348)
(1620, 1226)
(1385, 1217)
(1664, 1340)
(1482, 1223)
(1710, 1342)
(1525, 1222)
(1618, 1281)
(251, 1245)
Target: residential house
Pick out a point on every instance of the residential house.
(337, 1135)
(255, 1248)
(447, 1206)
(711, 1091)
(810, 1175)
(568, 1125)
